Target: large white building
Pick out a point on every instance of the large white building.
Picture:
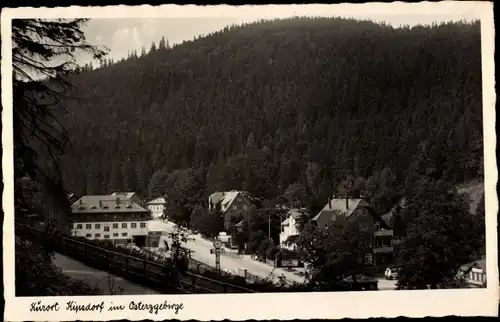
(157, 207)
(290, 227)
(114, 217)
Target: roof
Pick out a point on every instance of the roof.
(126, 195)
(216, 197)
(335, 206)
(479, 264)
(387, 217)
(295, 214)
(225, 198)
(105, 203)
(157, 201)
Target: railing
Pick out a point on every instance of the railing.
(129, 267)
(382, 250)
(385, 232)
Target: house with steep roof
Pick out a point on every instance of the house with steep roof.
(157, 207)
(336, 206)
(112, 217)
(232, 204)
(290, 227)
(376, 229)
(474, 274)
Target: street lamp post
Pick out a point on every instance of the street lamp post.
(217, 250)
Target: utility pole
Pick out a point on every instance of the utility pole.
(269, 226)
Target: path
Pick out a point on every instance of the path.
(99, 279)
(201, 252)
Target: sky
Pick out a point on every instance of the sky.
(122, 35)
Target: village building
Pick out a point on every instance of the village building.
(290, 228)
(232, 204)
(157, 207)
(114, 217)
(474, 274)
(376, 233)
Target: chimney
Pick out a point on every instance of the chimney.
(330, 202)
(346, 202)
(80, 202)
(100, 203)
(117, 201)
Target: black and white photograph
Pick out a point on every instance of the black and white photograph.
(301, 151)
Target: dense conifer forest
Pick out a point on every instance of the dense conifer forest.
(281, 108)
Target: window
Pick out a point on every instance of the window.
(115, 225)
(97, 235)
(143, 225)
(115, 234)
(106, 228)
(106, 236)
(78, 226)
(124, 234)
(133, 225)
(124, 225)
(88, 235)
(368, 259)
(97, 226)
(88, 226)
(282, 229)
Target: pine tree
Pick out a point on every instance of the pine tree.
(441, 236)
(153, 48)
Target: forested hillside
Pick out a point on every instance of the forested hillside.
(286, 107)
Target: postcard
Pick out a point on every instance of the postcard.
(249, 162)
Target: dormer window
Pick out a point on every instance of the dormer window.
(93, 207)
(105, 207)
(129, 206)
(117, 207)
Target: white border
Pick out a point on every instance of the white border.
(464, 302)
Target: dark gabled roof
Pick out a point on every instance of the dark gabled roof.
(479, 264)
(387, 217)
(334, 207)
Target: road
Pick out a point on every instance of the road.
(99, 279)
(201, 252)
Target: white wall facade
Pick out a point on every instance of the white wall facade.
(289, 230)
(156, 210)
(110, 230)
(476, 277)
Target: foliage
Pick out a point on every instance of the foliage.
(260, 231)
(235, 105)
(39, 136)
(336, 251)
(184, 190)
(42, 49)
(36, 275)
(441, 236)
(207, 223)
(179, 254)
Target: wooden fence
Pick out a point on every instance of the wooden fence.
(132, 268)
